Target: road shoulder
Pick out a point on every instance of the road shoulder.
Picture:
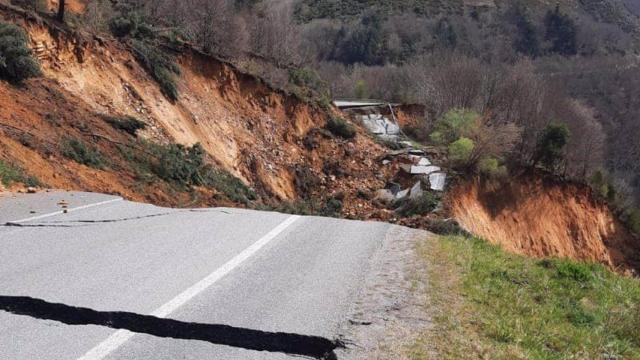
(389, 314)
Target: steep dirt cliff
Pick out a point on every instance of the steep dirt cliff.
(271, 140)
(543, 217)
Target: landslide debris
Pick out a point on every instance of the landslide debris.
(97, 120)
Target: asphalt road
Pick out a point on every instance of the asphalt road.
(112, 279)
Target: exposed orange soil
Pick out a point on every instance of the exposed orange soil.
(37, 117)
(75, 6)
(410, 115)
(262, 135)
(545, 218)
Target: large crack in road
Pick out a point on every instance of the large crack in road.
(295, 344)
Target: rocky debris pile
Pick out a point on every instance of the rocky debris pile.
(415, 174)
(411, 170)
(381, 126)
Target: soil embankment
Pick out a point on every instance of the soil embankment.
(545, 218)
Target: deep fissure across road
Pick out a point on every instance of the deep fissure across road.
(296, 344)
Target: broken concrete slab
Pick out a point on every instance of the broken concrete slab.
(424, 162)
(380, 125)
(420, 170)
(437, 181)
(416, 191)
(402, 194)
(419, 160)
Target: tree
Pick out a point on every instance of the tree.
(216, 28)
(473, 142)
(360, 89)
(445, 34)
(276, 37)
(561, 31)
(526, 41)
(61, 9)
(365, 44)
(551, 144)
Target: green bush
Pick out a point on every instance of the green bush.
(633, 220)
(340, 127)
(300, 207)
(332, 207)
(310, 87)
(562, 32)
(183, 167)
(460, 151)
(308, 78)
(361, 90)
(132, 25)
(160, 66)
(16, 60)
(602, 187)
(421, 205)
(574, 271)
(453, 125)
(491, 167)
(10, 174)
(417, 133)
(445, 227)
(551, 144)
(82, 153)
(127, 124)
(229, 185)
(179, 164)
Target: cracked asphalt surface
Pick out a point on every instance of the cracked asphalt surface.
(69, 281)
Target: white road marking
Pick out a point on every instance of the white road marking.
(120, 337)
(62, 211)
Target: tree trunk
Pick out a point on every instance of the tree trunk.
(61, 11)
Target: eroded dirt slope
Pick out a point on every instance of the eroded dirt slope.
(544, 217)
(271, 140)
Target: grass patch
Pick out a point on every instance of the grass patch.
(159, 65)
(128, 124)
(503, 306)
(184, 167)
(341, 128)
(10, 174)
(420, 205)
(331, 207)
(229, 185)
(82, 153)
